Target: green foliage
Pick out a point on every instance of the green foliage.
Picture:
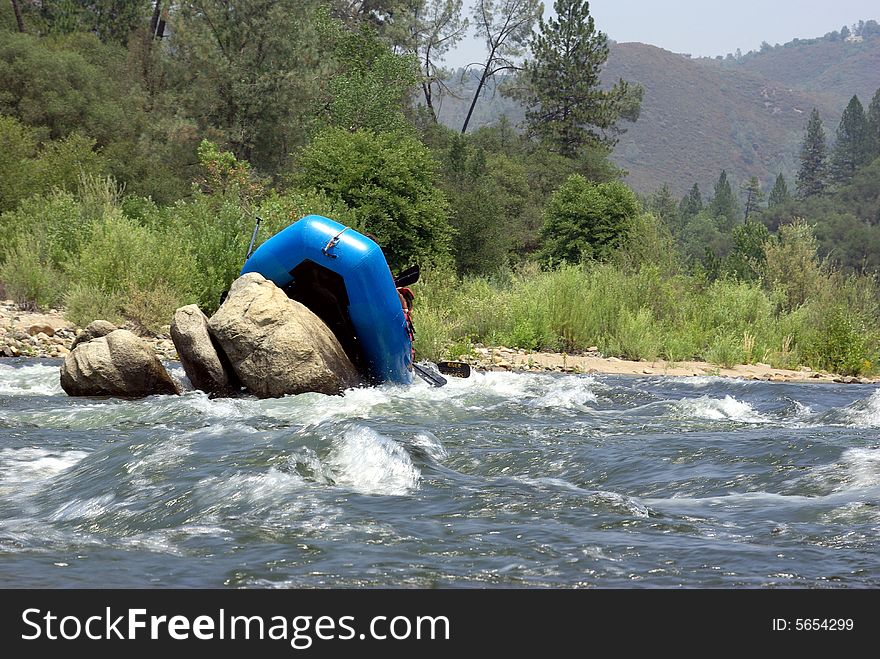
(27, 168)
(372, 84)
(812, 175)
(747, 261)
(585, 220)
(691, 204)
(565, 104)
(873, 128)
(844, 347)
(248, 73)
(779, 195)
(28, 274)
(645, 314)
(791, 264)
(389, 182)
(754, 196)
(648, 242)
(663, 206)
(51, 85)
(853, 144)
(723, 206)
(144, 274)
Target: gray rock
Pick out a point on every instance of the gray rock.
(276, 345)
(93, 330)
(205, 363)
(117, 364)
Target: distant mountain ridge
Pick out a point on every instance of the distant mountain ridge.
(699, 116)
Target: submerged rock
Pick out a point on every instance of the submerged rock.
(206, 366)
(116, 364)
(276, 345)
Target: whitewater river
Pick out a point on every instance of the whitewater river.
(519, 480)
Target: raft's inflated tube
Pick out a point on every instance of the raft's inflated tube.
(374, 305)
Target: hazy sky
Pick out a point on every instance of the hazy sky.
(707, 27)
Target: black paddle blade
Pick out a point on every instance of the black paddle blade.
(408, 277)
(455, 369)
(429, 375)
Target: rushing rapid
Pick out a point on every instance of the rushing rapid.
(502, 479)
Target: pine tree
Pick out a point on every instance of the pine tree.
(754, 195)
(850, 149)
(723, 206)
(873, 119)
(779, 195)
(691, 204)
(662, 204)
(811, 177)
(566, 107)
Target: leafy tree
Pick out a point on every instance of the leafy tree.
(371, 85)
(754, 195)
(723, 206)
(585, 220)
(389, 181)
(746, 261)
(505, 27)
(59, 90)
(566, 105)
(247, 71)
(852, 146)
(812, 175)
(779, 194)
(703, 243)
(691, 204)
(873, 120)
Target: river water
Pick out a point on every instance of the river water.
(502, 480)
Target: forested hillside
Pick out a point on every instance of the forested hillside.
(700, 116)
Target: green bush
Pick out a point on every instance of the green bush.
(587, 220)
(844, 346)
(29, 276)
(389, 182)
(132, 272)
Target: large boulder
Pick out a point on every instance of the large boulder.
(116, 364)
(93, 330)
(276, 345)
(206, 367)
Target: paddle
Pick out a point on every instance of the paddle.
(455, 369)
(408, 277)
(429, 375)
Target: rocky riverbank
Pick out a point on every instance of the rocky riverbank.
(509, 359)
(49, 334)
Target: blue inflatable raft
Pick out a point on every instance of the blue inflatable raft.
(343, 277)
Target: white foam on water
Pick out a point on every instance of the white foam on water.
(371, 463)
(91, 508)
(628, 504)
(567, 393)
(30, 380)
(27, 470)
(861, 467)
(253, 492)
(865, 414)
(161, 456)
(432, 447)
(720, 409)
